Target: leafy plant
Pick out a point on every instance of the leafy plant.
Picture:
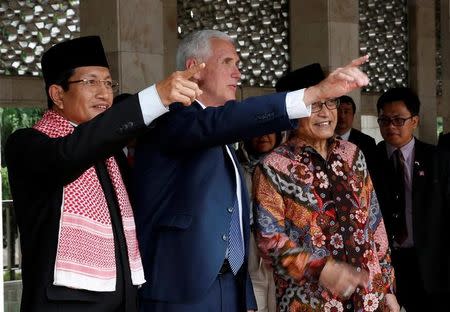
(12, 119)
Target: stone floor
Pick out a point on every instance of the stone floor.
(12, 296)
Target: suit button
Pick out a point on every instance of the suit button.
(230, 209)
(224, 237)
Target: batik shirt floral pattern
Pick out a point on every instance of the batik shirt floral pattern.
(310, 210)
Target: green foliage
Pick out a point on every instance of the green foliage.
(7, 276)
(15, 118)
(6, 192)
(12, 119)
(440, 125)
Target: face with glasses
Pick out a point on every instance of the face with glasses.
(397, 124)
(90, 93)
(319, 127)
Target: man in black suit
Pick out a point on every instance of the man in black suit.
(346, 113)
(444, 141)
(78, 243)
(410, 196)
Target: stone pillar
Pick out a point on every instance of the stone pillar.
(423, 64)
(1, 229)
(444, 105)
(325, 31)
(138, 36)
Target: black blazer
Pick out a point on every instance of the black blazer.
(366, 144)
(444, 141)
(430, 183)
(38, 168)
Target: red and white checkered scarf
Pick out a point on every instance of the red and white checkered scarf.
(85, 257)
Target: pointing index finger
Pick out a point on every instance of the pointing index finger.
(359, 61)
(188, 73)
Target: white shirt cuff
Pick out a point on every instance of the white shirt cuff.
(295, 106)
(151, 105)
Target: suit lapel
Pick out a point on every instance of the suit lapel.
(351, 137)
(419, 170)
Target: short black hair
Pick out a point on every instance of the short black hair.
(347, 99)
(63, 81)
(404, 94)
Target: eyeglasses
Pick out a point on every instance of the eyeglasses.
(330, 104)
(397, 121)
(110, 85)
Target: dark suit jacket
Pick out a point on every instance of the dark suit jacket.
(184, 184)
(444, 141)
(38, 168)
(429, 184)
(366, 144)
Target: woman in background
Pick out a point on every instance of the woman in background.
(250, 152)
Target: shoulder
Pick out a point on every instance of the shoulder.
(347, 150)
(445, 137)
(381, 146)
(18, 144)
(347, 145)
(278, 157)
(18, 136)
(424, 152)
(381, 150)
(424, 146)
(362, 136)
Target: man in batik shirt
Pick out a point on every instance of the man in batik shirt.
(319, 223)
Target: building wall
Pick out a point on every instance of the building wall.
(140, 39)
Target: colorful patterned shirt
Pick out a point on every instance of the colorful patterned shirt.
(310, 210)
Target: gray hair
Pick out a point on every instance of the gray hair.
(197, 45)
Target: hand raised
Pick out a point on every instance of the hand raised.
(341, 81)
(179, 88)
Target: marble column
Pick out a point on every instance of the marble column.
(326, 32)
(444, 103)
(422, 68)
(139, 38)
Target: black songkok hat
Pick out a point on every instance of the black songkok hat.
(303, 77)
(67, 55)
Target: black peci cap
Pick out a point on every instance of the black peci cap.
(303, 77)
(67, 55)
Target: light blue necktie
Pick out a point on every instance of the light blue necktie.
(235, 245)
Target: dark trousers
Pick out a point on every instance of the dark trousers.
(411, 293)
(223, 296)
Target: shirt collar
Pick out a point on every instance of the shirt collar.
(346, 135)
(201, 104)
(406, 149)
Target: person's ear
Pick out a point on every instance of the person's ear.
(56, 93)
(190, 62)
(415, 121)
